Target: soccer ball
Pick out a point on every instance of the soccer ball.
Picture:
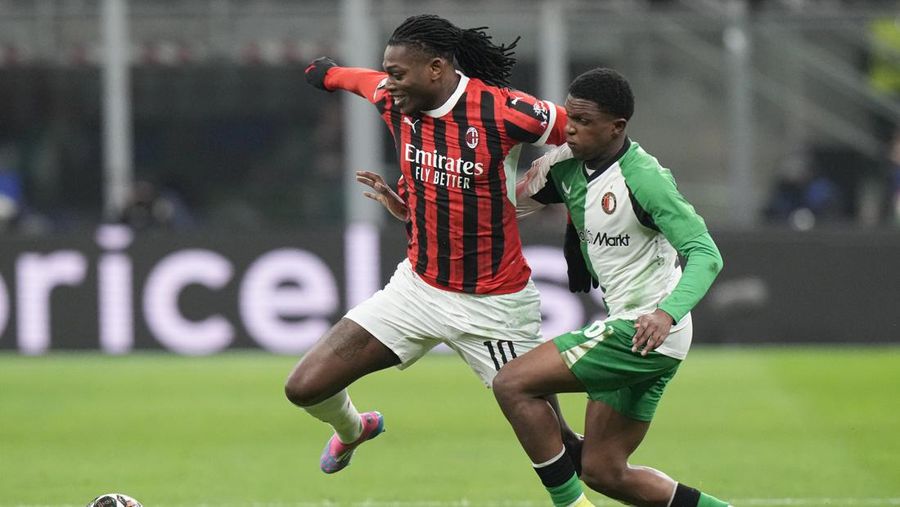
(114, 500)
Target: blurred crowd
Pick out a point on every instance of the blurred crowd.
(822, 186)
(245, 146)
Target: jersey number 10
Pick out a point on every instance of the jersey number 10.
(504, 358)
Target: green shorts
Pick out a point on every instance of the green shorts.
(600, 356)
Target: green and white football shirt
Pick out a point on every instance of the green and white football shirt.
(633, 223)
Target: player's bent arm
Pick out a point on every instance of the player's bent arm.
(526, 206)
(534, 180)
(535, 189)
(525, 189)
(703, 262)
(671, 214)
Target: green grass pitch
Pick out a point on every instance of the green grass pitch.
(764, 426)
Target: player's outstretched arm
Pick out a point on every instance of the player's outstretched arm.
(383, 194)
(325, 74)
(316, 71)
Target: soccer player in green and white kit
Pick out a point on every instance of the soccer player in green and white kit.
(632, 223)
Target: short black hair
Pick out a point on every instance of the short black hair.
(471, 48)
(606, 88)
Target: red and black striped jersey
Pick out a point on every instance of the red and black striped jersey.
(458, 166)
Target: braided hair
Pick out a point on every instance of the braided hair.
(471, 48)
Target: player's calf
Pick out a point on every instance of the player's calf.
(558, 477)
(609, 478)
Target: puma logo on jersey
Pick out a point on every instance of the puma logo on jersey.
(411, 123)
(515, 100)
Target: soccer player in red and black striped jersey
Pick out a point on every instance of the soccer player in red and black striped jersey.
(457, 159)
(458, 129)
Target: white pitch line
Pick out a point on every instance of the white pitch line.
(739, 502)
(817, 501)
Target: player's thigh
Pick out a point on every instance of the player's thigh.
(600, 356)
(344, 354)
(348, 349)
(493, 330)
(407, 316)
(539, 372)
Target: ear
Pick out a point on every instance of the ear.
(619, 125)
(436, 68)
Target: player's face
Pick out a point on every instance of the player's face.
(412, 78)
(591, 133)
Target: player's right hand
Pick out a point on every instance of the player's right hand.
(383, 194)
(650, 331)
(580, 278)
(315, 72)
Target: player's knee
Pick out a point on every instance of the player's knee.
(301, 389)
(603, 474)
(506, 385)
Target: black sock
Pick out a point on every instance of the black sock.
(556, 473)
(573, 449)
(685, 496)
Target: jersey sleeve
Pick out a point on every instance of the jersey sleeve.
(703, 262)
(662, 207)
(537, 184)
(367, 83)
(531, 120)
(531, 189)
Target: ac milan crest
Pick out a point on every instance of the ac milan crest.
(472, 137)
(608, 203)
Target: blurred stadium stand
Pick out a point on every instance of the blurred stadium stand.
(223, 118)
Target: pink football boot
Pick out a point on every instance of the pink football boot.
(337, 454)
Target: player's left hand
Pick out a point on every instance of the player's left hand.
(316, 71)
(383, 194)
(651, 330)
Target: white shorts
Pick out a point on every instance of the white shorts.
(411, 317)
